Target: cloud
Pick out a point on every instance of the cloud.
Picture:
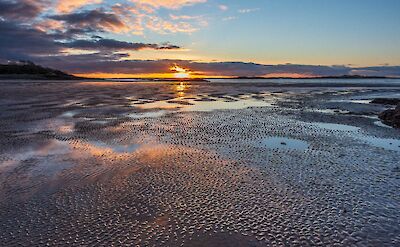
(21, 9)
(97, 18)
(163, 26)
(168, 4)
(223, 7)
(393, 71)
(23, 42)
(109, 45)
(184, 17)
(19, 42)
(229, 18)
(101, 63)
(66, 6)
(245, 11)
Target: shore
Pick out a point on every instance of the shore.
(198, 164)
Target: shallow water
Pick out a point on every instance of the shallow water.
(241, 176)
(285, 143)
(185, 105)
(380, 124)
(385, 143)
(338, 127)
(116, 148)
(151, 114)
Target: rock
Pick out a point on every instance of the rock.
(391, 117)
(386, 101)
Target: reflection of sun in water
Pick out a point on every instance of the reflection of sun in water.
(181, 88)
(180, 72)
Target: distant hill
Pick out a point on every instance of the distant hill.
(319, 77)
(29, 70)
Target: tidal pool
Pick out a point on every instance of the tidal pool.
(117, 148)
(385, 143)
(151, 114)
(284, 143)
(380, 124)
(339, 127)
(188, 105)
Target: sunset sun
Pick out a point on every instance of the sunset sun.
(179, 72)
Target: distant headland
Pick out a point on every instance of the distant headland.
(31, 71)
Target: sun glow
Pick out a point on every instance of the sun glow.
(179, 72)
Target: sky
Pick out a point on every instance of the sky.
(207, 38)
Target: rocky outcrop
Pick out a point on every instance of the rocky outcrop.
(391, 117)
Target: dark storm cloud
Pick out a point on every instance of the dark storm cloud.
(92, 19)
(20, 9)
(111, 44)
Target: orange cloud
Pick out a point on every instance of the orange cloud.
(169, 4)
(163, 26)
(70, 5)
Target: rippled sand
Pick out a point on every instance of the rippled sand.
(194, 164)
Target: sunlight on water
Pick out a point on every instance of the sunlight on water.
(185, 105)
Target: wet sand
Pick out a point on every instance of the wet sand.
(197, 164)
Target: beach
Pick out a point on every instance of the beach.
(219, 163)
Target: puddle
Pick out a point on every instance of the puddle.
(390, 144)
(355, 101)
(285, 143)
(339, 127)
(102, 122)
(380, 124)
(222, 105)
(360, 101)
(157, 105)
(152, 114)
(116, 148)
(53, 147)
(70, 114)
(41, 152)
(186, 105)
(332, 111)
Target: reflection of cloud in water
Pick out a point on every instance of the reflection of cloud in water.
(113, 148)
(195, 105)
(46, 154)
